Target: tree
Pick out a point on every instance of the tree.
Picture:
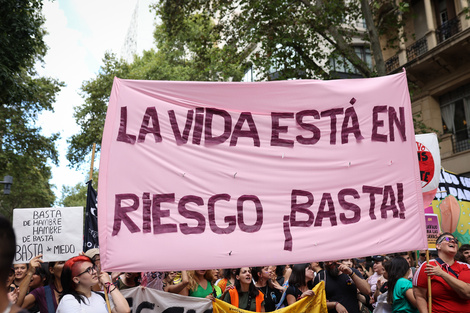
(76, 195)
(190, 54)
(220, 39)
(24, 151)
(298, 39)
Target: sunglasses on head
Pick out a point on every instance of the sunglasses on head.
(449, 240)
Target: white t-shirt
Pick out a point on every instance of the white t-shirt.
(94, 304)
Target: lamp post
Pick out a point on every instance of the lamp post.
(7, 182)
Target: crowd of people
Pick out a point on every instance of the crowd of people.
(382, 283)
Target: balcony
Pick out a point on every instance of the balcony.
(416, 49)
(448, 29)
(392, 63)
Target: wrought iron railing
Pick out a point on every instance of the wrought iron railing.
(392, 63)
(461, 140)
(419, 47)
(448, 29)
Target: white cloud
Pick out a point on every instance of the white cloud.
(80, 32)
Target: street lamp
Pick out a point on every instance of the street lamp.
(7, 182)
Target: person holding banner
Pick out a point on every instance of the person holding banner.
(228, 280)
(299, 279)
(245, 295)
(263, 282)
(200, 285)
(450, 279)
(78, 277)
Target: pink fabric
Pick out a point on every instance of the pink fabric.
(199, 175)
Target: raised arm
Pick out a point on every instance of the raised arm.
(120, 303)
(27, 301)
(360, 282)
(179, 287)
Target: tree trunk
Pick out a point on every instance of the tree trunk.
(373, 38)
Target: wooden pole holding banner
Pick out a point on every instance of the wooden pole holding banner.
(106, 291)
(91, 178)
(92, 161)
(429, 285)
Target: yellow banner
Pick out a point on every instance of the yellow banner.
(315, 304)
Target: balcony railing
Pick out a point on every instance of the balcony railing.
(416, 49)
(448, 29)
(392, 63)
(461, 140)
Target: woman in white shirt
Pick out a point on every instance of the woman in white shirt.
(78, 277)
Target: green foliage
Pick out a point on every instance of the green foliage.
(76, 195)
(219, 39)
(286, 39)
(390, 16)
(21, 37)
(31, 187)
(191, 53)
(90, 116)
(24, 151)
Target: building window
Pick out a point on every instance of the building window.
(248, 76)
(342, 65)
(455, 112)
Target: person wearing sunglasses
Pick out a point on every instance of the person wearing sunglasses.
(450, 279)
(78, 277)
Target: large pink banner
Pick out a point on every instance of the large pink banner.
(200, 175)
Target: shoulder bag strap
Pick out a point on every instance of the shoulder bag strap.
(49, 294)
(439, 260)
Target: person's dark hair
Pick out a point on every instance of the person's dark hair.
(255, 271)
(7, 248)
(280, 270)
(460, 257)
(464, 247)
(398, 268)
(227, 273)
(442, 236)
(68, 285)
(297, 277)
(50, 266)
(252, 291)
(387, 264)
(43, 273)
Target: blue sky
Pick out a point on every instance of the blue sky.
(80, 32)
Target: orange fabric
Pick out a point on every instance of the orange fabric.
(223, 284)
(234, 299)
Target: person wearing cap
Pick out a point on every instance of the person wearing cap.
(94, 255)
(378, 273)
(450, 280)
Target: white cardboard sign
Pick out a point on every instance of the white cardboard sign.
(56, 233)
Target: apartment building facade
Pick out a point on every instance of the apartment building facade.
(436, 56)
